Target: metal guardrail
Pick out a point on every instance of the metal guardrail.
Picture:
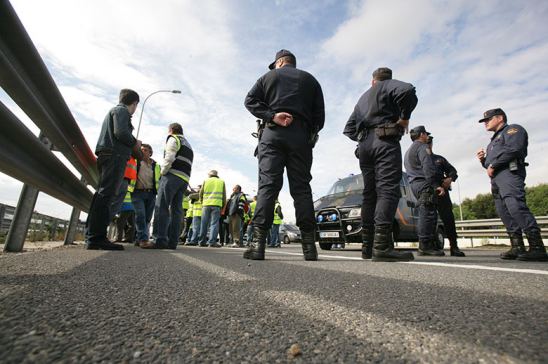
(487, 228)
(42, 227)
(26, 79)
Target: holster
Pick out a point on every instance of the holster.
(389, 131)
(428, 198)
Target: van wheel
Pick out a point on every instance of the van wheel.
(326, 246)
(286, 240)
(439, 240)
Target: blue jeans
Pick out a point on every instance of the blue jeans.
(143, 202)
(275, 235)
(196, 228)
(168, 210)
(210, 222)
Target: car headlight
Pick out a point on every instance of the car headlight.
(357, 212)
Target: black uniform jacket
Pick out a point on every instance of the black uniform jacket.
(385, 102)
(444, 169)
(290, 90)
(420, 166)
(508, 144)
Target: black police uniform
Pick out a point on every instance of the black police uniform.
(286, 89)
(444, 169)
(380, 156)
(506, 153)
(421, 173)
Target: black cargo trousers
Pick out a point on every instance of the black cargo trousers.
(381, 166)
(279, 148)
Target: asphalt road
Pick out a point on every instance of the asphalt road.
(210, 305)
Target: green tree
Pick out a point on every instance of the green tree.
(483, 206)
(537, 199)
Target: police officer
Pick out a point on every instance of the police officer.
(379, 120)
(445, 175)
(421, 174)
(505, 164)
(290, 102)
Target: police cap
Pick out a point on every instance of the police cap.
(416, 132)
(490, 113)
(281, 53)
(382, 73)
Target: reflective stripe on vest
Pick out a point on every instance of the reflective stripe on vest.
(197, 208)
(213, 192)
(277, 219)
(131, 169)
(182, 165)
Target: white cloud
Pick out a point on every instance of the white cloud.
(464, 57)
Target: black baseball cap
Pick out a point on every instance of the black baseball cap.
(490, 113)
(281, 53)
(419, 129)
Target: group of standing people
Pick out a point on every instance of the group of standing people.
(290, 103)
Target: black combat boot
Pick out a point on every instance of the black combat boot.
(454, 248)
(368, 234)
(309, 245)
(426, 247)
(537, 251)
(383, 247)
(516, 241)
(255, 250)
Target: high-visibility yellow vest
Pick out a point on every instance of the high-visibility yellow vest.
(127, 198)
(190, 212)
(197, 208)
(277, 218)
(213, 188)
(157, 175)
(252, 206)
(186, 202)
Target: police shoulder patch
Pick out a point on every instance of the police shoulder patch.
(512, 131)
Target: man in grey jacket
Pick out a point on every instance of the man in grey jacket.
(113, 150)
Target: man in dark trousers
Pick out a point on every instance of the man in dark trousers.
(113, 150)
(445, 175)
(290, 102)
(421, 174)
(380, 118)
(504, 161)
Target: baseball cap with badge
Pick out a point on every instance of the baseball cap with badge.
(490, 113)
(281, 53)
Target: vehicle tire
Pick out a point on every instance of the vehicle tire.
(286, 240)
(326, 246)
(439, 239)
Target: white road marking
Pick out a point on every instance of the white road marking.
(219, 271)
(436, 264)
(378, 330)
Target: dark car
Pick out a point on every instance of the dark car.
(289, 233)
(338, 214)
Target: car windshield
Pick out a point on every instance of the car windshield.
(352, 183)
(291, 227)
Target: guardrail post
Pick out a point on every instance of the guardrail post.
(21, 219)
(15, 240)
(74, 221)
(73, 224)
(2, 213)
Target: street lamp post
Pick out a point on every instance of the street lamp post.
(144, 102)
(460, 202)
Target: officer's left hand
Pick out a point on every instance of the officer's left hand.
(446, 183)
(491, 171)
(440, 191)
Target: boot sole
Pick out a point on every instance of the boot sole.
(542, 259)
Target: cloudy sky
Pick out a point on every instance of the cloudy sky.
(462, 56)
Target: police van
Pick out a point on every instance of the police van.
(338, 214)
